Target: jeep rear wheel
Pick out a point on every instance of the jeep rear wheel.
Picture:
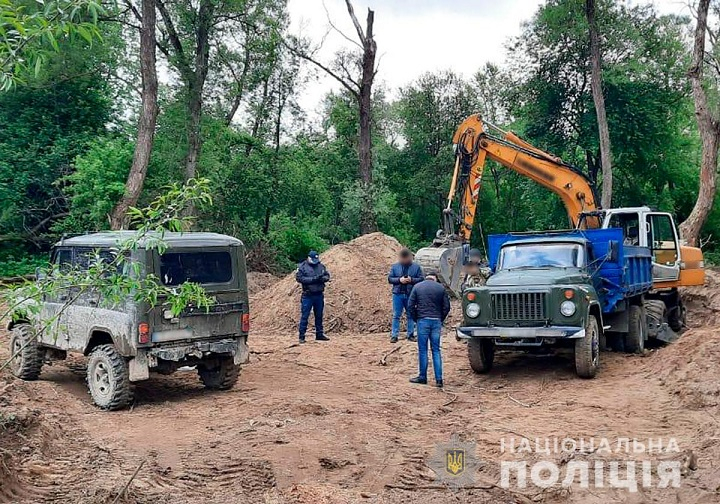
(637, 326)
(108, 378)
(481, 353)
(587, 350)
(27, 356)
(220, 376)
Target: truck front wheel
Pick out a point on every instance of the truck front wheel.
(108, 378)
(220, 376)
(481, 353)
(637, 325)
(587, 350)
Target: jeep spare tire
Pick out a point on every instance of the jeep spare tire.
(108, 378)
(27, 357)
(220, 375)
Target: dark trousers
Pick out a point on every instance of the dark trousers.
(316, 303)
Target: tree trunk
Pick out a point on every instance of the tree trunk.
(368, 223)
(599, 100)
(148, 118)
(709, 128)
(195, 88)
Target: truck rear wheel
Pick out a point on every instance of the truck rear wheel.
(222, 376)
(677, 316)
(637, 326)
(28, 356)
(108, 378)
(481, 353)
(587, 350)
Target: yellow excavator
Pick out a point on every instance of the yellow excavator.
(674, 263)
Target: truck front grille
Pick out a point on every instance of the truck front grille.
(519, 306)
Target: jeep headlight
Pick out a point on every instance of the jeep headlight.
(472, 310)
(568, 308)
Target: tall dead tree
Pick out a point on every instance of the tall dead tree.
(360, 87)
(599, 100)
(709, 127)
(148, 117)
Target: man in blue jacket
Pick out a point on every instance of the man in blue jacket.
(404, 274)
(429, 305)
(313, 276)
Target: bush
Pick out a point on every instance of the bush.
(293, 238)
(15, 267)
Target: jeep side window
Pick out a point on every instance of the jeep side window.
(62, 259)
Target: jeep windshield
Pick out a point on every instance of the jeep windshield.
(541, 255)
(207, 267)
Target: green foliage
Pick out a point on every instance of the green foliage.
(97, 183)
(31, 31)
(11, 266)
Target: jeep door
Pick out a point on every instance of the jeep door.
(55, 334)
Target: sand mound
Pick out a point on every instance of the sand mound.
(258, 281)
(703, 302)
(691, 365)
(356, 299)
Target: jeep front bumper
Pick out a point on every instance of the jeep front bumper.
(520, 336)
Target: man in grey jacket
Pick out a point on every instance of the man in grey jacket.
(429, 305)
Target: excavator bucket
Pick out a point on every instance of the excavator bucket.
(446, 261)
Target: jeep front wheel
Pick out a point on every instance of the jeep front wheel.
(108, 378)
(587, 350)
(27, 356)
(481, 352)
(221, 375)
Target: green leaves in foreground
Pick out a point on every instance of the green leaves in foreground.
(29, 31)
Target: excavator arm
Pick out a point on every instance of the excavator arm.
(474, 145)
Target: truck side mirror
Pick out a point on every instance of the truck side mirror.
(613, 250)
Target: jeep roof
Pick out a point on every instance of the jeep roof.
(113, 238)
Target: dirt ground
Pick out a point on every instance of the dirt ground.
(327, 423)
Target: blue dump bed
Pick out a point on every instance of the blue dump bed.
(618, 271)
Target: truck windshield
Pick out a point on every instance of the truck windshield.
(541, 255)
(199, 267)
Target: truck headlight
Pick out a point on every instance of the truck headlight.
(568, 308)
(472, 310)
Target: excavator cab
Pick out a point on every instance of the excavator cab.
(655, 230)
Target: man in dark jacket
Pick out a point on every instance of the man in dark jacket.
(404, 274)
(313, 276)
(429, 305)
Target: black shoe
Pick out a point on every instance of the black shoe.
(301, 340)
(393, 339)
(412, 338)
(321, 337)
(417, 379)
(439, 384)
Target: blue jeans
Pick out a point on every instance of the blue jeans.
(429, 329)
(316, 303)
(399, 304)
